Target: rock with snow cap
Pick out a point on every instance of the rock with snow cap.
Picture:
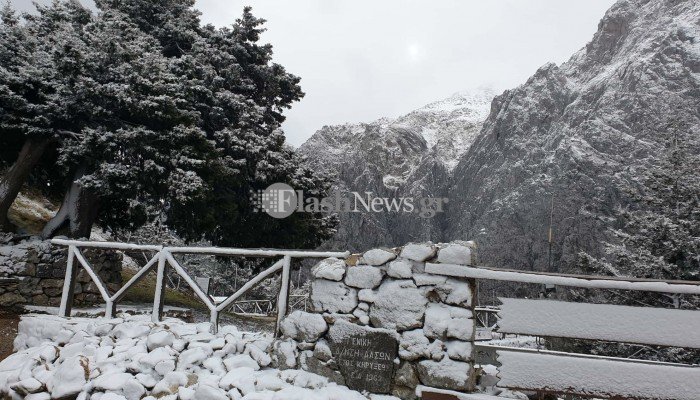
(418, 251)
(398, 305)
(303, 326)
(332, 297)
(331, 268)
(377, 257)
(363, 277)
(457, 252)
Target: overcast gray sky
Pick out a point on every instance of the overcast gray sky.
(364, 59)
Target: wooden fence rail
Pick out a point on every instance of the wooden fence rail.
(164, 259)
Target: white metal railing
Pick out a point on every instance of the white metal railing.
(555, 372)
(164, 258)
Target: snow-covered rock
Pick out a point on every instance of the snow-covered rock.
(400, 269)
(332, 269)
(455, 253)
(445, 321)
(446, 374)
(332, 297)
(398, 305)
(286, 353)
(428, 279)
(69, 377)
(160, 339)
(303, 326)
(366, 295)
(206, 392)
(456, 292)
(459, 350)
(418, 251)
(363, 277)
(377, 257)
(414, 345)
(240, 361)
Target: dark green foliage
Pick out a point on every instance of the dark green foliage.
(156, 118)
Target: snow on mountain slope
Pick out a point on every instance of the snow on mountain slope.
(450, 126)
(578, 135)
(408, 156)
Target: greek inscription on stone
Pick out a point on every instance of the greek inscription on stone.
(365, 358)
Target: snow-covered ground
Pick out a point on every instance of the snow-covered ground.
(132, 358)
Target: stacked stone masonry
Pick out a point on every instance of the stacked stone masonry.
(33, 272)
(367, 304)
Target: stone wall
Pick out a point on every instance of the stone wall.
(37, 270)
(380, 323)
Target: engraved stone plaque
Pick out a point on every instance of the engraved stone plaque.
(365, 356)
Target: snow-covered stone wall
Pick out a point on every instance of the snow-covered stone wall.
(387, 291)
(38, 270)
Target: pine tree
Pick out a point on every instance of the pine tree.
(240, 95)
(32, 111)
(156, 117)
(141, 147)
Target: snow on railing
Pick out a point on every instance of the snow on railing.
(559, 373)
(581, 281)
(163, 258)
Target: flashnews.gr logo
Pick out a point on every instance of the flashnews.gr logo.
(280, 200)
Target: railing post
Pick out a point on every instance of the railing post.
(159, 297)
(68, 284)
(214, 320)
(110, 309)
(283, 298)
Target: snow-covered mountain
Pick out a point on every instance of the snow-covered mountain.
(578, 135)
(412, 155)
(575, 136)
(450, 126)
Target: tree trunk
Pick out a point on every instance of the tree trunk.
(78, 211)
(12, 181)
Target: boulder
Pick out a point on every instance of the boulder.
(377, 257)
(363, 277)
(303, 326)
(332, 297)
(398, 305)
(418, 251)
(332, 269)
(445, 374)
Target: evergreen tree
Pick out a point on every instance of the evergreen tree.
(141, 147)
(34, 76)
(155, 117)
(240, 95)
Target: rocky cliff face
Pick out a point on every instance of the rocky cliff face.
(577, 134)
(412, 155)
(572, 136)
